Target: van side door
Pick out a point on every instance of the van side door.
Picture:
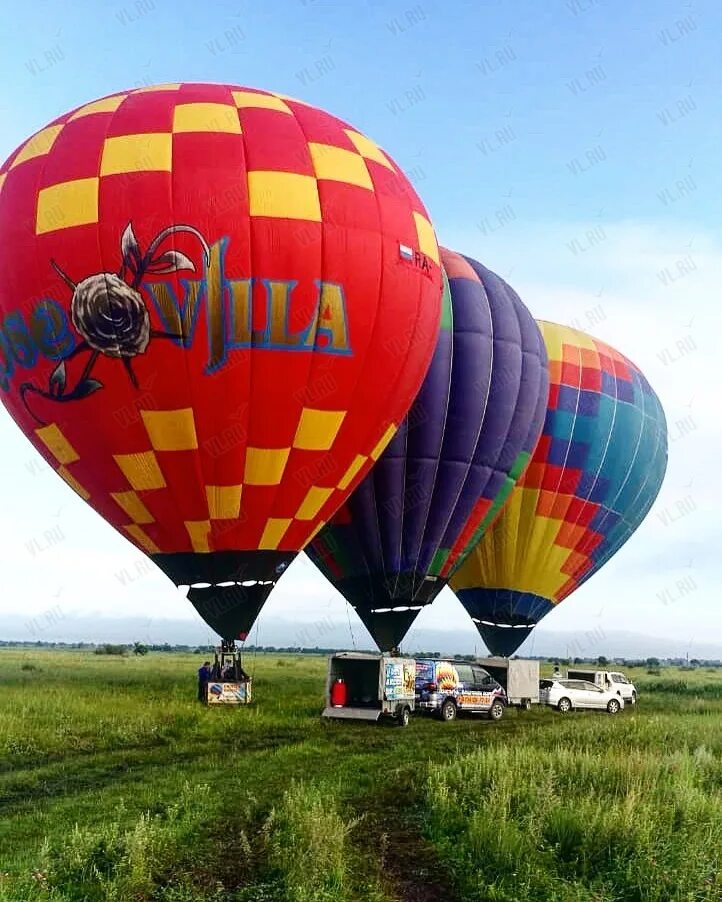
(465, 695)
(482, 688)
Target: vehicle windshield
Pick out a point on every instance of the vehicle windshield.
(546, 684)
(618, 678)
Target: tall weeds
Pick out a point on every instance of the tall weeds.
(520, 823)
(307, 843)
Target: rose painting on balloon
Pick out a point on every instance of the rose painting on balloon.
(110, 314)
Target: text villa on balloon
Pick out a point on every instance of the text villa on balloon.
(229, 304)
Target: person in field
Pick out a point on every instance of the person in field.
(204, 674)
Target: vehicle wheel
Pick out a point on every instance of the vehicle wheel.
(496, 712)
(633, 699)
(448, 710)
(613, 706)
(525, 704)
(564, 706)
(403, 717)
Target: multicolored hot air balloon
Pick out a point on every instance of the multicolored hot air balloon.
(468, 436)
(595, 473)
(216, 306)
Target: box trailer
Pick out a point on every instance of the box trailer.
(518, 677)
(361, 686)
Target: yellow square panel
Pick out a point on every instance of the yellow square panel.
(142, 538)
(339, 165)
(248, 100)
(73, 483)
(141, 470)
(172, 86)
(265, 466)
(199, 532)
(107, 105)
(554, 341)
(137, 153)
(57, 444)
(38, 145)
(317, 429)
(383, 442)
(348, 476)
(171, 430)
(427, 238)
(133, 506)
(206, 117)
(315, 499)
(273, 532)
(67, 204)
(224, 501)
(557, 337)
(367, 148)
(284, 195)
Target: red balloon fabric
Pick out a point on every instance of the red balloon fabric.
(216, 306)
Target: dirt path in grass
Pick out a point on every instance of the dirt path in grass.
(413, 870)
(409, 866)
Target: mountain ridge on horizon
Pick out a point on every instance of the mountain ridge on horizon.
(282, 632)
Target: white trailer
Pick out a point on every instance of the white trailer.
(519, 678)
(377, 686)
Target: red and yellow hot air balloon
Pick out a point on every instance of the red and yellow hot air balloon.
(216, 306)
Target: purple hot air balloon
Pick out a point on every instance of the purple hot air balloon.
(453, 462)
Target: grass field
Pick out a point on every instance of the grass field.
(115, 784)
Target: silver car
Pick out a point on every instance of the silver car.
(567, 695)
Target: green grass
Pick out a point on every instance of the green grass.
(115, 784)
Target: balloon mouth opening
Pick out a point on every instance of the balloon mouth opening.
(226, 584)
(230, 607)
(505, 626)
(399, 609)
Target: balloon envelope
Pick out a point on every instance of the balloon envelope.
(217, 305)
(595, 473)
(469, 434)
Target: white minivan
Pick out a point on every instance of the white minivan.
(569, 695)
(608, 679)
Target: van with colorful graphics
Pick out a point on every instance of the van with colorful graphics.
(445, 689)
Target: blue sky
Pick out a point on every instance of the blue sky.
(572, 146)
(431, 82)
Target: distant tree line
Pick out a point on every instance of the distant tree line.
(142, 648)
